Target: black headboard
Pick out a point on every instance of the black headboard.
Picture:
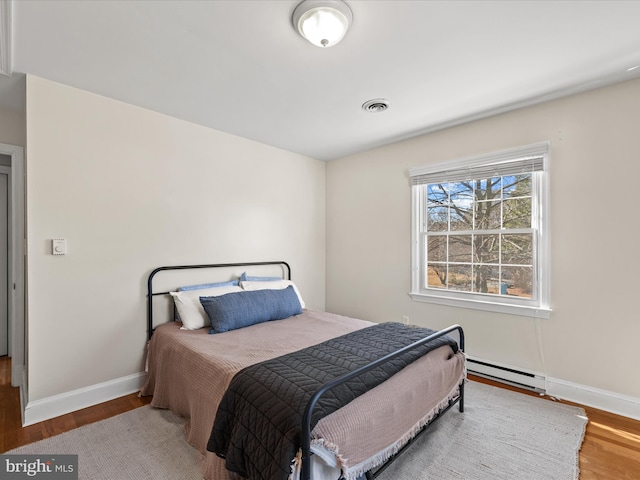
(151, 293)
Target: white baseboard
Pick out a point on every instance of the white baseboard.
(612, 402)
(56, 405)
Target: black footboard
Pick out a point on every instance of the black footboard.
(306, 421)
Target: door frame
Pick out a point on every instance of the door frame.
(6, 170)
(17, 265)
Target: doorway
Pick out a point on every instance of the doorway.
(12, 276)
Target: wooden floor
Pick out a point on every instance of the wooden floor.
(13, 435)
(611, 448)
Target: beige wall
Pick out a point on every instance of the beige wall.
(591, 336)
(12, 128)
(131, 190)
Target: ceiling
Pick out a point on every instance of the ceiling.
(240, 67)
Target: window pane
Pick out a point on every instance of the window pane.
(487, 215)
(517, 249)
(461, 210)
(518, 281)
(485, 279)
(486, 248)
(437, 219)
(516, 186)
(460, 248)
(517, 213)
(437, 248)
(488, 188)
(461, 192)
(460, 278)
(437, 194)
(436, 275)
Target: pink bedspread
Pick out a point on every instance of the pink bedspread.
(189, 372)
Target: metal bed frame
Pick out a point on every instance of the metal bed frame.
(306, 420)
(151, 293)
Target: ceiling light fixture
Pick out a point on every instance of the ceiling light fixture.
(323, 22)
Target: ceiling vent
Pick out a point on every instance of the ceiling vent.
(375, 105)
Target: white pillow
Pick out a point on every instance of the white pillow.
(190, 309)
(271, 285)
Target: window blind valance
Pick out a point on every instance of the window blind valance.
(508, 162)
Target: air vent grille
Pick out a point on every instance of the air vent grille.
(375, 105)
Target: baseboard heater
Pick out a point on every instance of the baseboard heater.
(510, 376)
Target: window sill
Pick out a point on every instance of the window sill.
(521, 310)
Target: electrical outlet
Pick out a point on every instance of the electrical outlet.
(405, 319)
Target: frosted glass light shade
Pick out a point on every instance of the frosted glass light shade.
(323, 22)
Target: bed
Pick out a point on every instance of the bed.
(191, 371)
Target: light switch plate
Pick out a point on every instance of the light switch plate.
(59, 246)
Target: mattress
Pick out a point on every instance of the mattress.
(189, 371)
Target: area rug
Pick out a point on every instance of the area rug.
(500, 435)
(142, 444)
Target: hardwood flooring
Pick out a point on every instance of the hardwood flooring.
(13, 435)
(611, 448)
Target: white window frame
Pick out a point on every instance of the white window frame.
(539, 306)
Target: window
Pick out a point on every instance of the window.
(480, 232)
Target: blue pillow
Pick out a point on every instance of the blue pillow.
(242, 309)
(248, 278)
(229, 283)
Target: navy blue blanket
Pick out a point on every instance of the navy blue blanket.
(258, 423)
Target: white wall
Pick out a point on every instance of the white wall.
(131, 190)
(591, 337)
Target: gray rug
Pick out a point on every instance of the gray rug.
(501, 435)
(142, 444)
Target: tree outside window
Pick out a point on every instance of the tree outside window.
(467, 241)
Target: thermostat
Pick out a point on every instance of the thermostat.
(59, 246)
